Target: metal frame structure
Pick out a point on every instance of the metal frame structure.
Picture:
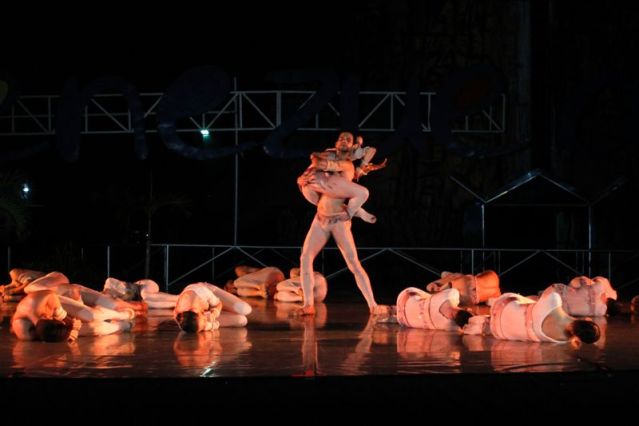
(244, 111)
(477, 256)
(540, 174)
(404, 254)
(265, 110)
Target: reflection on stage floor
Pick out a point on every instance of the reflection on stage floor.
(341, 340)
(338, 356)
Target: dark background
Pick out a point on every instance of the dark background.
(576, 123)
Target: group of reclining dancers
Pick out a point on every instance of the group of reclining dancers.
(54, 309)
(51, 308)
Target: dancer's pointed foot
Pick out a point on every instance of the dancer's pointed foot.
(365, 216)
(381, 310)
(384, 313)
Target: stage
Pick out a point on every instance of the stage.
(340, 355)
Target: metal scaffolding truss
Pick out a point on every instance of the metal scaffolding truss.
(431, 260)
(470, 260)
(577, 200)
(245, 110)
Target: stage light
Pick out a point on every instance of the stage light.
(206, 136)
(25, 190)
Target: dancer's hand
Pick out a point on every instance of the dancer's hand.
(365, 169)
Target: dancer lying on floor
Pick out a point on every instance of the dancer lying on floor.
(473, 289)
(199, 308)
(59, 283)
(43, 315)
(515, 317)
(255, 282)
(290, 290)
(585, 297)
(439, 311)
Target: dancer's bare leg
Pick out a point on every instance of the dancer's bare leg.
(160, 300)
(230, 302)
(356, 194)
(102, 328)
(47, 282)
(364, 215)
(336, 186)
(344, 240)
(316, 239)
(227, 319)
(79, 310)
(95, 298)
(153, 297)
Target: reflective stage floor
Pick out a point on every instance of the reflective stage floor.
(338, 355)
